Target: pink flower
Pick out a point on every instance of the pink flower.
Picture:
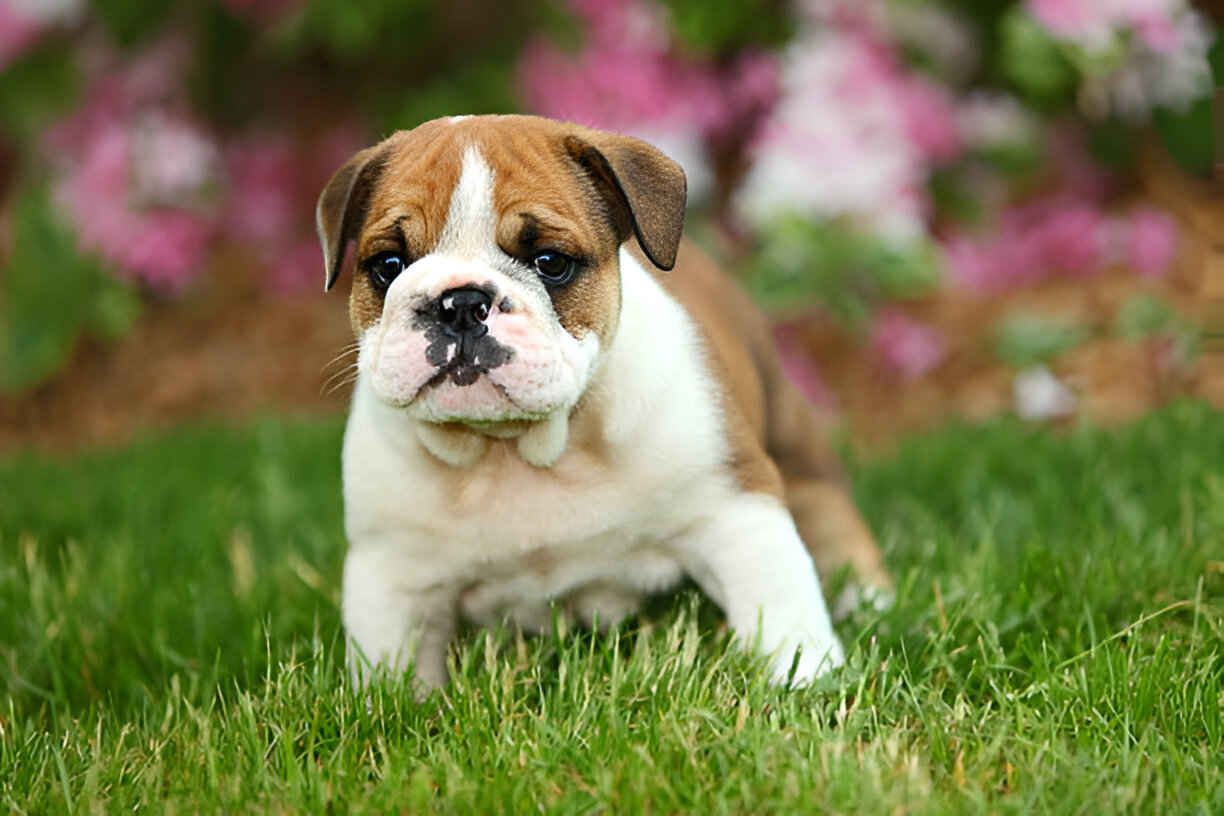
(1137, 54)
(838, 142)
(930, 118)
(973, 264)
(171, 159)
(1151, 242)
(262, 175)
(627, 78)
(164, 247)
(905, 346)
(1030, 242)
(1156, 30)
(17, 33)
(1068, 237)
(1073, 19)
(1093, 23)
(271, 187)
(135, 173)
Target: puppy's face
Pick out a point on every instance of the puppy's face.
(487, 280)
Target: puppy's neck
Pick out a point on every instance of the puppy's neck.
(540, 443)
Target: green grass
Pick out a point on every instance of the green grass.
(169, 641)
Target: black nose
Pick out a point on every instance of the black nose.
(464, 310)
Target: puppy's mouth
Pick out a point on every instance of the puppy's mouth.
(461, 372)
(463, 359)
(462, 354)
(463, 393)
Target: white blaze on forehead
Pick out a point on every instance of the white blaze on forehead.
(471, 224)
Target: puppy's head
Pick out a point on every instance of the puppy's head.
(488, 282)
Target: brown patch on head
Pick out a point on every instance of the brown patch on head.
(365, 304)
(406, 209)
(393, 196)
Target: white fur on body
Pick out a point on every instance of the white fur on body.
(517, 536)
(534, 520)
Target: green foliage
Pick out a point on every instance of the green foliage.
(36, 88)
(802, 263)
(475, 88)
(356, 31)
(1188, 136)
(721, 27)
(225, 58)
(406, 62)
(1215, 57)
(1056, 646)
(981, 15)
(50, 294)
(1145, 316)
(1112, 142)
(952, 197)
(955, 187)
(1031, 60)
(1025, 339)
(130, 22)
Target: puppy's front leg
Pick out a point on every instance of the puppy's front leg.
(390, 624)
(749, 559)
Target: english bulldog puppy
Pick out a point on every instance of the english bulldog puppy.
(544, 414)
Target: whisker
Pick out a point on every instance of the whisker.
(351, 348)
(341, 384)
(339, 379)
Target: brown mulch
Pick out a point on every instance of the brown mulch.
(232, 349)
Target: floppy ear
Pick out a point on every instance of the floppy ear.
(342, 207)
(646, 189)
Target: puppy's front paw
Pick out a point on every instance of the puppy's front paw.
(817, 656)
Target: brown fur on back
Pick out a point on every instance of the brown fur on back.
(777, 444)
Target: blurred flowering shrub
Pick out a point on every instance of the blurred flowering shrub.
(631, 76)
(898, 138)
(147, 137)
(852, 154)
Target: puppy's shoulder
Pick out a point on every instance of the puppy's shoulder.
(740, 357)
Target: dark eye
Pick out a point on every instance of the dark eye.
(555, 268)
(383, 269)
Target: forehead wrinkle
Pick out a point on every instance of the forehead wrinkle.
(556, 199)
(388, 226)
(421, 172)
(541, 222)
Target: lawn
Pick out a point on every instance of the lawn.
(169, 641)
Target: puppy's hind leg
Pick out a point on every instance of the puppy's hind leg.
(836, 536)
(818, 496)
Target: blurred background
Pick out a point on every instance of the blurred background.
(953, 209)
